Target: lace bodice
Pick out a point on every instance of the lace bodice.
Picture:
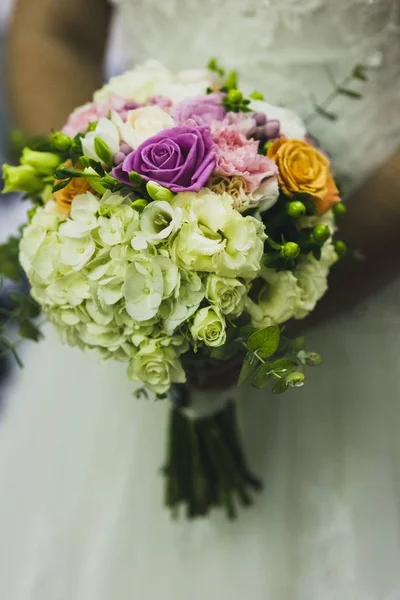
(292, 50)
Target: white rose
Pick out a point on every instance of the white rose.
(291, 124)
(143, 123)
(277, 300)
(312, 277)
(143, 288)
(138, 84)
(226, 293)
(209, 327)
(107, 132)
(156, 366)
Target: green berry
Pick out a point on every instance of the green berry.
(60, 141)
(321, 233)
(235, 96)
(340, 248)
(296, 209)
(339, 209)
(290, 250)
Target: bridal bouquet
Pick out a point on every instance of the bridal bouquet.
(177, 225)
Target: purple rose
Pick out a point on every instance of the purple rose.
(180, 159)
(201, 110)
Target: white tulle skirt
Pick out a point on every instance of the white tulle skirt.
(81, 515)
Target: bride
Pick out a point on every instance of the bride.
(80, 482)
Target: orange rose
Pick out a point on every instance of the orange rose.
(302, 169)
(77, 185)
(331, 197)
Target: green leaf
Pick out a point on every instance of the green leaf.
(61, 185)
(26, 306)
(29, 331)
(283, 366)
(248, 367)
(350, 93)
(103, 151)
(261, 376)
(325, 113)
(265, 341)
(231, 80)
(359, 72)
(246, 331)
(280, 387)
(66, 172)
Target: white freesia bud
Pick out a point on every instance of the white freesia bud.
(209, 327)
(107, 132)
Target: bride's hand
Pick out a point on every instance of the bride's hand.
(55, 56)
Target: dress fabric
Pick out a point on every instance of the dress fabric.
(81, 515)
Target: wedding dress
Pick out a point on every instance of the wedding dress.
(80, 484)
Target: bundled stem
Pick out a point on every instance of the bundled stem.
(206, 466)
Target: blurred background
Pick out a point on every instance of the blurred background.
(12, 209)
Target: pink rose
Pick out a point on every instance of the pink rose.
(238, 156)
(80, 118)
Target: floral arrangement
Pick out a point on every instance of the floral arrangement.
(176, 226)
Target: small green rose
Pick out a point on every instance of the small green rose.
(209, 327)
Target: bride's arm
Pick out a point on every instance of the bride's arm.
(54, 59)
(371, 229)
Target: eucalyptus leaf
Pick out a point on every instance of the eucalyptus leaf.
(323, 112)
(26, 306)
(249, 365)
(283, 365)
(265, 341)
(261, 376)
(29, 331)
(359, 72)
(280, 387)
(350, 93)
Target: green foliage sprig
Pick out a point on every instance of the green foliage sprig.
(272, 358)
(323, 109)
(22, 310)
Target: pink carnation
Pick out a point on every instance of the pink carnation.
(80, 118)
(238, 156)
